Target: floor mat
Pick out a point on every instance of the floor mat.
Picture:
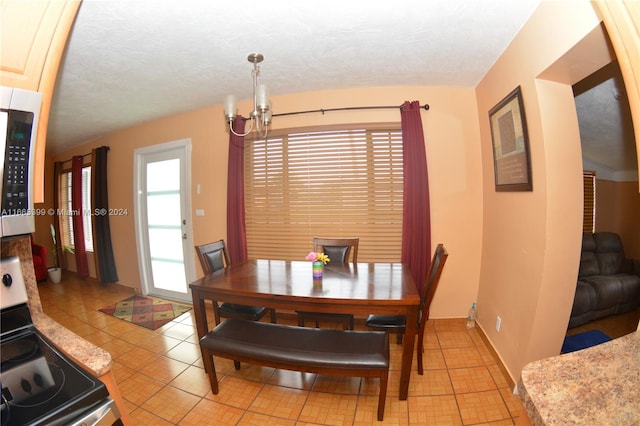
(583, 340)
(147, 312)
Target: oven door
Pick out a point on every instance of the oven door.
(103, 414)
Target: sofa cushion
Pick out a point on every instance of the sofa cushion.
(588, 260)
(608, 290)
(609, 252)
(584, 299)
(588, 264)
(630, 292)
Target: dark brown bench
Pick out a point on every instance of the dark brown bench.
(311, 350)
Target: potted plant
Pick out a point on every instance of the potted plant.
(55, 273)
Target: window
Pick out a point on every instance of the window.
(589, 217)
(67, 213)
(332, 183)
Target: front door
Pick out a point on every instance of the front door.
(163, 222)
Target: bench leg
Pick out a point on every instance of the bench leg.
(236, 364)
(210, 369)
(384, 378)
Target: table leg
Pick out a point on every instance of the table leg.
(202, 327)
(200, 314)
(407, 352)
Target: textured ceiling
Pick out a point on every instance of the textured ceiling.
(132, 61)
(606, 129)
(128, 62)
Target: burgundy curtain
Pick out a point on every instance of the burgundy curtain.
(236, 228)
(82, 267)
(416, 228)
(103, 250)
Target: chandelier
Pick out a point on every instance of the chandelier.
(261, 114)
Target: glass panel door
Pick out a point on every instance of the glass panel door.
(164, 225)
(162, 218)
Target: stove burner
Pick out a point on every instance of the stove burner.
(17, 351)
(40, 383)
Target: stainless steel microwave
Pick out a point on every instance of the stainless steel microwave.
(19, 114)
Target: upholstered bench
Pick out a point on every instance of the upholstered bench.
(312, 350)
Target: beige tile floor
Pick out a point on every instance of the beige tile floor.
(162, 381)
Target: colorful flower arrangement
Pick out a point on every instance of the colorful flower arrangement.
(318, 257)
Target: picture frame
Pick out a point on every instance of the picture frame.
(510, 143)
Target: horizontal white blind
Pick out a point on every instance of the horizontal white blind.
(86, 208)
(334, 183)
(67, 213)
(65, 205)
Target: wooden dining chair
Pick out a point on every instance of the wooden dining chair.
(213, 257)
(397, 323)
(340, 251)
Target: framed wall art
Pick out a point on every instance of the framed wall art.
(512, 166)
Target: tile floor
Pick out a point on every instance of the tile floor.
(162, 381)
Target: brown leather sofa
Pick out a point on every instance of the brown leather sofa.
(608, 283)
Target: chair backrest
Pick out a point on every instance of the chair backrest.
(338, 249)
(213, 256)
(433, 278)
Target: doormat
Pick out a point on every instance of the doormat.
(147, 312)
(583, 340)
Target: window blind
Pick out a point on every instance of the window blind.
(67, 213)
(589, 210)
(65, 206)
(86, 208)
(331, 183)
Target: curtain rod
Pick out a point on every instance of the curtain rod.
(83, 155)
(322, 110)
(425, 107)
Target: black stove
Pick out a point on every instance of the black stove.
(41, 385)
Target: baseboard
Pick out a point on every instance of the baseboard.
(512, 383)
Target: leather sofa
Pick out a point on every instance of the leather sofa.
(608, 283)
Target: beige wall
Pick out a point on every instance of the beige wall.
(618, 210)
(531, 240)
(453, 156)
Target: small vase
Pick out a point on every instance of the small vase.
(317, 269)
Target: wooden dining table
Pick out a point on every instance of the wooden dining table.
(356, 288)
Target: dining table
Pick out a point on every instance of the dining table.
(352, 288)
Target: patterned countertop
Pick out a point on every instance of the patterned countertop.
(595, 386)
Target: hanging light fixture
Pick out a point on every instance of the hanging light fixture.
(261, 114)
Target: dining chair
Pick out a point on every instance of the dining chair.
(213, 257)
(340, 251)
(397, 323)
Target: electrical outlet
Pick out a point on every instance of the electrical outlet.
(498, 323)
